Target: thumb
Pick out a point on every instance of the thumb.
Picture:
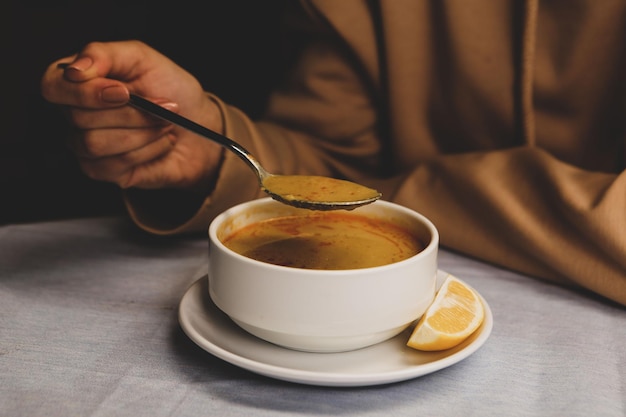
(116, 60)
(82, 69)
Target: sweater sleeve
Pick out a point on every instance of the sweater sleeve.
(171, 211)
(523, 209)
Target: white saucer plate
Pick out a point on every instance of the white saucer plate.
(386, 362)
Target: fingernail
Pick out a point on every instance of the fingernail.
(115, 94)
(169, 105)
(81, 64)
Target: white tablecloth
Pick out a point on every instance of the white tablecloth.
(88, 327)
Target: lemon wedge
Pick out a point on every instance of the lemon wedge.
(455, 313)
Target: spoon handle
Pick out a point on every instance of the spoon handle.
(162, 113)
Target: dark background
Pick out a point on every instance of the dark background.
(232, 46)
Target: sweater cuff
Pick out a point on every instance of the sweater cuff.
(173, 211)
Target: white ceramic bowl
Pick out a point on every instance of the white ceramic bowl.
(321, 310)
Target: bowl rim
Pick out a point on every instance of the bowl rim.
(432, 245)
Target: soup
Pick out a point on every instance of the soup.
(314, 188)
(325, 240)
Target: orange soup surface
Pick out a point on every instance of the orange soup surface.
(325, 240)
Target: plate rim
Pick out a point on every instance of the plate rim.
(334, 379)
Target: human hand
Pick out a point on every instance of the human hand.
(117, 143)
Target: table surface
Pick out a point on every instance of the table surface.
(89, 327)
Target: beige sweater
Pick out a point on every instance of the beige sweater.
(502, 121)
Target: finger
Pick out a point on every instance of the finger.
(95, 77)
(119, 168)
(100, 143)
(104, 59)
(75, 81)
(119, 117)
(94, 93)
(123, 60)
(80, 69)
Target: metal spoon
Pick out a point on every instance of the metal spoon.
(304, 191)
